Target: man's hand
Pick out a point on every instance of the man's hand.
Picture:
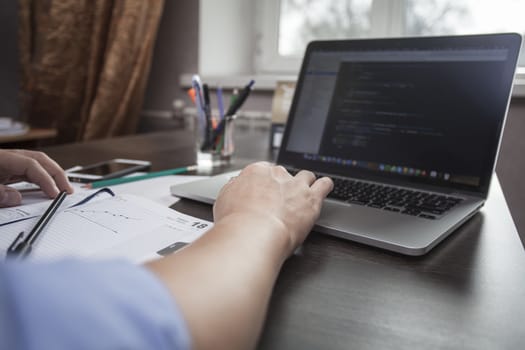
(269, 194)
(31, 166)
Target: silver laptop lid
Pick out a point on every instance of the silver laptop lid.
(421, 112)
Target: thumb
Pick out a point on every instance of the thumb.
(9, 196)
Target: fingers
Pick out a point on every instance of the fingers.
(9, 196)
(306, 176)
(322, 187)
(36, 174)
(52, 168)
(319, 187)
(28, 165)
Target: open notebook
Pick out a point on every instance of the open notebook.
(102, 225)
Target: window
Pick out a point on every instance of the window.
(288, 25)
(299, 24)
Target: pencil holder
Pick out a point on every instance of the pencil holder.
(217, 148)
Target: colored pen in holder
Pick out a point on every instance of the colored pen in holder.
(215, 139)
(217, 148)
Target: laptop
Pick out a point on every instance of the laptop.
(408, 128)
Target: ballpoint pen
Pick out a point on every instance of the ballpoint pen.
(21, 248)
(239, 101)
(220, 102)
(207, 113)
(192, 95)
(123, 180)
(233, 96)
(232, 109)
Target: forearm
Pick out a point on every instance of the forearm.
(223, 281)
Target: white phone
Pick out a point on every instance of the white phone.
(106, 170)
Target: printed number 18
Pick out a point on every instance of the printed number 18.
(199, 225)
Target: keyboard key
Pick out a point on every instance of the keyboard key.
(405, 201)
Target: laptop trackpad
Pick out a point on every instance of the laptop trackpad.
(365, 224)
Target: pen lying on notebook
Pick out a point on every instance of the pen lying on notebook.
(21, 248)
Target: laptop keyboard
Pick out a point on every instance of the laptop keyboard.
(410, 202)
(405, 201)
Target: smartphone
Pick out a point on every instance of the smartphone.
(106, 170)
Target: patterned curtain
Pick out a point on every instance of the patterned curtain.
(85, 64)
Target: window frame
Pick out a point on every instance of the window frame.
(254, 54)
(387, 20)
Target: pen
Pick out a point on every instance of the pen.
(233, 97)
(207, 113)
(21, 248)
(220, 102)
(232, 109)
(123, 180)
(192, 95)
(239, 101)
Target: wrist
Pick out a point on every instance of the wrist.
(266, 232)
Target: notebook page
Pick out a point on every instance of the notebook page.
(98, 226)
(23, 212)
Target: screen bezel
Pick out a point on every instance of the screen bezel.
(509, 41)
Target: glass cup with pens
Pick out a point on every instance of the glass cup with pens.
(214, 134)
(218, 148)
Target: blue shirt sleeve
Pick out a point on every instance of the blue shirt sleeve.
(74, 304)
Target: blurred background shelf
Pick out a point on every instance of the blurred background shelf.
(34, 137)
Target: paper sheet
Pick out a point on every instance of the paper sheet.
(156, 189)
(123, 226)
(37, 208)
(126, 226)
(35, 203)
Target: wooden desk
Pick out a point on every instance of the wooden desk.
(468, 293)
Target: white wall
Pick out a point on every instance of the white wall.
(225, 53)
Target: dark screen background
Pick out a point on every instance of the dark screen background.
(428, 115)
(387, 109)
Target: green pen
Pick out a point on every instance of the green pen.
(123, 180)
(233, 97)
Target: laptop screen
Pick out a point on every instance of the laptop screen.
(413, 110)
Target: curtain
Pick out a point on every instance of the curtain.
(85, 64)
